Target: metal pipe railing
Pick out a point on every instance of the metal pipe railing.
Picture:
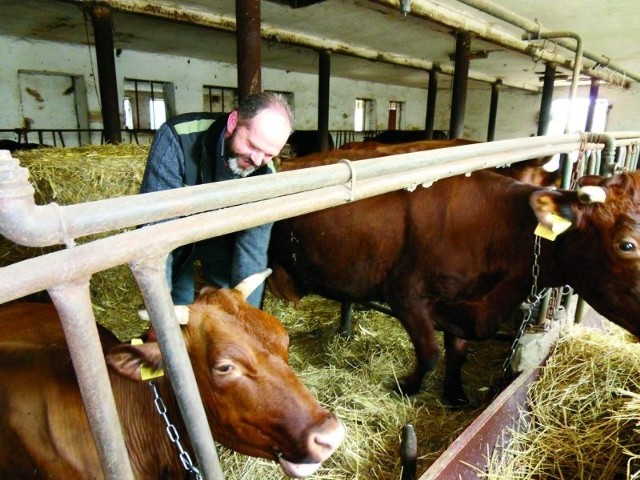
(374, 176)
(25, 223)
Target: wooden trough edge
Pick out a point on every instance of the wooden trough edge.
(467, 456)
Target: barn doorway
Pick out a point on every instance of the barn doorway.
(396, 116)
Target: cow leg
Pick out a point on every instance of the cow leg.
(455, 355)
(422, 335)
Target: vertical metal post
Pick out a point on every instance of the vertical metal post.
(324, 78)
(249, 53)
(346, 318)
(546, 99)
(431, 102)
(493, 110)
(460, 80)
(409, 452)
(73, 303)
(150, 274)
(103, 34)
(593, 97)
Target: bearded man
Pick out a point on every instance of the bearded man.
(197, 148)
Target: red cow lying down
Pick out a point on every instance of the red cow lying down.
(254, 402)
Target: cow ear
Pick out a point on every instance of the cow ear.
(552, 207)
(589, 180)
(128, 360)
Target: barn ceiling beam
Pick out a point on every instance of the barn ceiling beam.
(454, 19)
(228, 23)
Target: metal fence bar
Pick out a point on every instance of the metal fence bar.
(73, 303)
(151, 278)
(26, 223)
(40, 273)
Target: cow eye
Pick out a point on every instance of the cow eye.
(224, 368)
(626, 246)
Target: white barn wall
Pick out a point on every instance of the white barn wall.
(516, 117)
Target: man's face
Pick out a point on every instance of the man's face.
(255, 144)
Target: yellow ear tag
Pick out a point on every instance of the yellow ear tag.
(147, 372)
(558, 225)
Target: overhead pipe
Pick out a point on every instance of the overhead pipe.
(375, 176)
(227, 23)
(451, 18)
(533, 27)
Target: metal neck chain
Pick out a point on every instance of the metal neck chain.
(533, 300)
(172, 432)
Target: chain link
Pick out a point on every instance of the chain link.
(531, 302)
(172, 433)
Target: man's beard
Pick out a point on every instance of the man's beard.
(232, 163)
(232, 160)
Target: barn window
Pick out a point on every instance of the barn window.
(396, 116)
(364, 115)
(220, 99)
(146, 103)
(157, 112)
(578, 121)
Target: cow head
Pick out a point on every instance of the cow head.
(600, 254)
(254, 402)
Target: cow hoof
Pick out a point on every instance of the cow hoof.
(457, 402)
(407, 387)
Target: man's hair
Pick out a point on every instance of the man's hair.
(253, 104)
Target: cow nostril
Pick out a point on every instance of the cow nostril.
(323, 442)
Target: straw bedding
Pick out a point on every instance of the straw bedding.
(354, 377)
(585, 413)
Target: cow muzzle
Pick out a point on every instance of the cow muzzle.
(321, 444)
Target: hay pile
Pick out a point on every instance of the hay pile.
(585, 412)
(69, 176)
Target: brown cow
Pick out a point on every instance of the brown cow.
(458, 255)
(254, 402)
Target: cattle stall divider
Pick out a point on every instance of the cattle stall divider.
(193, 214)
